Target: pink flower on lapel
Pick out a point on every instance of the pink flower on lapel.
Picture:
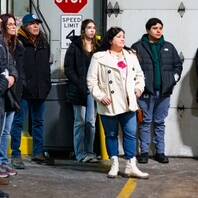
(122, 64)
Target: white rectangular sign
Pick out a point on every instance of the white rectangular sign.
(70, 26)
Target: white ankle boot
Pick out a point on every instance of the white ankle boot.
(114, 167)
(132, 170)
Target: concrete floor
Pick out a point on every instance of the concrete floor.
(67, 178)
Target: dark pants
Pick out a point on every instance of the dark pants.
(37, 108)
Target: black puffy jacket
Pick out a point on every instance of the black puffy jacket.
(76, 66)
(19, 59)
(170, 65)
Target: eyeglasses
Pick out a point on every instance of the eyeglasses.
(11, 25)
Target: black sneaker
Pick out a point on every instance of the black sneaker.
(143, 158)
(161, 158)
(39, 159)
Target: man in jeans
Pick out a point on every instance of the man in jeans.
(35, 90)
(162, 69)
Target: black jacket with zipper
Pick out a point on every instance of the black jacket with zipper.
(76, 66)
(36, 66)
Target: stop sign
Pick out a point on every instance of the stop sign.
(70, 6)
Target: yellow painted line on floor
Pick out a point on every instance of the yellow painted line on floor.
(128, 189)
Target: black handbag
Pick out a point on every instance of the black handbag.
(11, 102)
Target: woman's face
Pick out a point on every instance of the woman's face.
(34, 28)
(11, 27)
(118, 40)
(90, 30)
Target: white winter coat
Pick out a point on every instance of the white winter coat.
(105, 79)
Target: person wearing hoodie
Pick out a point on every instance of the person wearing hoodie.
(162, 68)
(35, 90)
(77, 60)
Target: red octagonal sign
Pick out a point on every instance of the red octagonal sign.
(70, 6)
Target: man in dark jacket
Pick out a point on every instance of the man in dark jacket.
(35, 90)
(162, 68)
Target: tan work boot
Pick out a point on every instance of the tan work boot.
(131, 170)
(114, 167)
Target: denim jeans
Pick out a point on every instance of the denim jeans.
(128, 124)
(84, 128)
(155, 110)
(4, 140)
(37, 109)
(2, 116)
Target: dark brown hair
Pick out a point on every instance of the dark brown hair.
(107, 40)
(11, 43)
(151, 22)
(82, 31)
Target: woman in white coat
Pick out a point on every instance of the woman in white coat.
(116, 80)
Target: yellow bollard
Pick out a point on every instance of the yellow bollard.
(104, 153)
(26, 145)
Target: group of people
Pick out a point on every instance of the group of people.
(105, 77)
(117, 81)
(24, 85)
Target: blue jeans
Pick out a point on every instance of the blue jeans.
(128, 124)
(37, 109)
(4, 140)
(155, 110)
(84, 128)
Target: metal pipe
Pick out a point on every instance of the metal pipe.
(7, 5)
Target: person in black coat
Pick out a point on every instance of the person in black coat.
(13, 95)
(77, 60)
(35, 89)
(162, 69)
(8, 42)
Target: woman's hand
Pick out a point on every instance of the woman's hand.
(138, 93)
(106, 101)
(11, 81)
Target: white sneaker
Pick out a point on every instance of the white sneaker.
(131, 170)
(114, 167)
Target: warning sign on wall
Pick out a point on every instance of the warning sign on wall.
(70, 26)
